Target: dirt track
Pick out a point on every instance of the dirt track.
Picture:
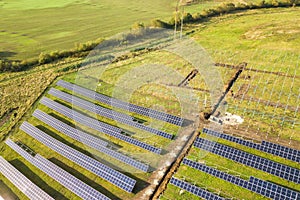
(6, 193)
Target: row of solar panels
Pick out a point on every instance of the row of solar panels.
(194, 189)
(257, 162)
(89, 140)
(67, 180)
(114, 115)
(116, 178)
(268, 147)
(20, 181)
(90, 164)
(121, 104)
(256, 185)
(97, 125)
(265, 188)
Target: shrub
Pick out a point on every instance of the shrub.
(187, 17)
(44, 58)
(160, 24)
(197, 17)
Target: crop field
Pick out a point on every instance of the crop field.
(82, 21)
(265, 95)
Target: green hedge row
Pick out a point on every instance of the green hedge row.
(223, 9)
(44, 58)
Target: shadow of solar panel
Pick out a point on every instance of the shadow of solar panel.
(70, 182)
(90, 164)
(96, 125)
(114, 115)
(88, 140)
(120, 104)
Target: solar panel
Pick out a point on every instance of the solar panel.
(88, 140)
(194, 189)
(116, 178)
(282, 151)
(268, 147)
(214, 172)
(231, 138)
(70, 182)
(121, 104)
(111, 114)
(96, 125)
(273, 190)
(254, 184)
(22, 182)
(269, 166)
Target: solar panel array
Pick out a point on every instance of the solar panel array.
(97, 125)
(256, 185)
(267, 147)
(90, 164)
(111, 114)
(194, 189)
(74, 133)
(70, 182)
(88, 140)
(121, 104)
(22, 182)
(282, 151)
(277, 169)
(273, 190)
(231, 138)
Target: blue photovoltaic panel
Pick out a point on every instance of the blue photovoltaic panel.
(70, 182)
(121, 104)
(88, 140)
(114, 115)
(194, 189)
(269, 166)
(255, 185)
(215, 172)
(96, 125)
(272, 190)
(101, 170)
(268, 147)
(282, 151)
(231, 138)
(22, 182)
(74, 133)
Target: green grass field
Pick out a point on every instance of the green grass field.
(29, 28)
(267, 39)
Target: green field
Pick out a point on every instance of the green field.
(31, 27)
(267, 39)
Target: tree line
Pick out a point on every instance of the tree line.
(44, 58)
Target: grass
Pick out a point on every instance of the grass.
(56, 25)
(220, 186)
(228, 40)
(267, 40)
(252, 37)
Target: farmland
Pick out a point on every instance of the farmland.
(266, 94)
(22, 40)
